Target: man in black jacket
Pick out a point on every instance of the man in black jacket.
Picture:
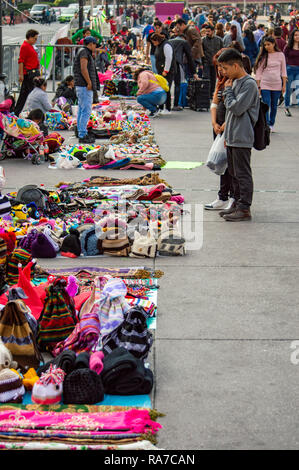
(86, 82)
(211, 45)
(183, 57)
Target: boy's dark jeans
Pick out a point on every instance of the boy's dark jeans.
(238, 163)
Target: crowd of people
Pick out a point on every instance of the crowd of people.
(242, 59)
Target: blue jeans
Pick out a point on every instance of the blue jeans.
(292, 83)
(152, 100)
(85, 99)
(153, 63)
(271, 98)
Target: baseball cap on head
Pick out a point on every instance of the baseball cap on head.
(90, 39)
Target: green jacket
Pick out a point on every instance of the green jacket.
(79, 35)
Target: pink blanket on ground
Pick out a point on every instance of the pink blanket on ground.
(135, 421)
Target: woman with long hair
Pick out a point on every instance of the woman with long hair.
(271, 76)
(291, 52)
(231, 36)
(219, 30)
(225, 197)
(251, 48)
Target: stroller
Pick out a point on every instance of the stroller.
(20, 138)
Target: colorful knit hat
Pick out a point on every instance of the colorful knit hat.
(17, 256)
(11, 387)
(42, 247)
(3, 251)
(48, 389)
(83, 386)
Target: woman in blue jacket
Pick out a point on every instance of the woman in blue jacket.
(251, 47)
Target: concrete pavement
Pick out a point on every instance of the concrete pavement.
(227, 313)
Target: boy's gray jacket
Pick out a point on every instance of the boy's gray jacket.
(242, 105)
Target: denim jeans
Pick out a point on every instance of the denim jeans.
(293, 82)
(152, 100)
(271, 98)
(153, 63)
(85, 99)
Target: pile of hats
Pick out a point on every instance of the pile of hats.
(75, 379)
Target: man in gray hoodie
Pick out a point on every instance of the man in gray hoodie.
(242, 103)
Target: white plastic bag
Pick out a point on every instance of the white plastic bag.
(217, 158)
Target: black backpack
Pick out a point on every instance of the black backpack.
(261, 129)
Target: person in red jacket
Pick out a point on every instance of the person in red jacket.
(113, 25)
(28, 68)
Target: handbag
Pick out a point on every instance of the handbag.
(217, 158)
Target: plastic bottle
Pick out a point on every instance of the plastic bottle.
(46, 149)
(42, 151)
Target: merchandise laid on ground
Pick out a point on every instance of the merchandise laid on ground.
(76, 358)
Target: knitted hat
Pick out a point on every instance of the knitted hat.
(10, 239)
(19, 255)
(11, 387)
(83, 386)
(48, 389)
(89, 243)
(42, 248)
(71, 245)
(82, 361)
(3, 251)
(6, 359)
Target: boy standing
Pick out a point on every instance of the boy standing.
(242, 102)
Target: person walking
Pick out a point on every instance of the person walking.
(271, 76)
(165, 64)
(233, 35)
(28, 68)
(251, 47)
(12, 17)
(281, 43)
(211, 45)
(242, 102)
(291, 52)
(184, 61)
(150, 48)
(86, 82)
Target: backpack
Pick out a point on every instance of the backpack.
(161, 81)
(17, 335)
(261, 129)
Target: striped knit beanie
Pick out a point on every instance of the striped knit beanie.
(3, 251)
(11, 387)
(17, 256)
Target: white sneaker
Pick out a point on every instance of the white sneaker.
(165, 112)
(216, 205)
(230, 203)
(271, 129)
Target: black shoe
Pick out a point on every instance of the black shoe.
(288, 112)
(88, 139)
(232, 209)
(177, 108)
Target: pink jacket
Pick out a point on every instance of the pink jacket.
(147, 83)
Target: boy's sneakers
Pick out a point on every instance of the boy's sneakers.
(165, 112)
(218, 205)
(88, 139)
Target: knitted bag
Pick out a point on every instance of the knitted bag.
(58, 317)
(89, 243)
(19, 255)
(17, 335)
(26, 242)
(132, 334)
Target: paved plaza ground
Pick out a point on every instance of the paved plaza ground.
(228, 312)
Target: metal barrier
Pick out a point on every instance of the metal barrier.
(56, 62)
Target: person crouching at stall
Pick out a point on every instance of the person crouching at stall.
(150, 94)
